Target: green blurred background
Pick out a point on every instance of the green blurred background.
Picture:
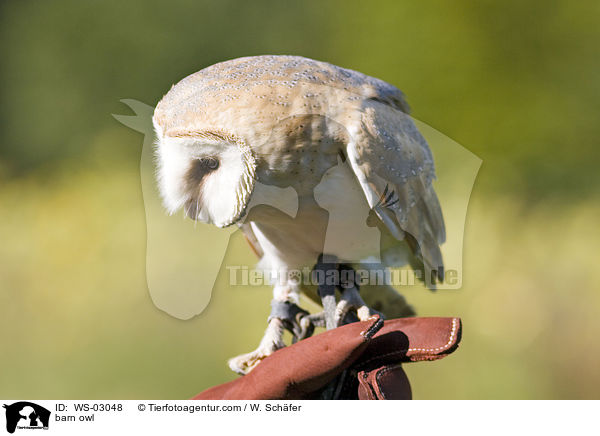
(514, 82)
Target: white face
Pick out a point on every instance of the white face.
(207, 178)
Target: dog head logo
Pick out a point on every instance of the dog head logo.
(26, 415)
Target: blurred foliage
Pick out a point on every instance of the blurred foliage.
(514, 82)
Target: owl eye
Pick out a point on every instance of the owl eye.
(200, 168)
(212, 163)
(209, 163)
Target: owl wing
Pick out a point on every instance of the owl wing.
(395, 169)
(252, 240)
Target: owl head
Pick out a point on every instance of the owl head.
(208, 174)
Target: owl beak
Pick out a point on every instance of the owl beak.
(372, 219)
(191, 209)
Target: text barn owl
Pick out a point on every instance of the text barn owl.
(287, 121)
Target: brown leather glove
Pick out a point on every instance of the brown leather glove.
(361, 360)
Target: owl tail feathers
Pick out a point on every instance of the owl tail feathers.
(427, 257)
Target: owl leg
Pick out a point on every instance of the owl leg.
(327, 277)
(350, 300)
(285, 314)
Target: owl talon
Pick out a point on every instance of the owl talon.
(345, 310)
(245, 363)
(317, 319)
(271, 342)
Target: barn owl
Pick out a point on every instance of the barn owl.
(344, 143)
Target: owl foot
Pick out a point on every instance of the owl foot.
(245, 363)
(350, 303)
(271, 342)
(351, 306)
(285, 315)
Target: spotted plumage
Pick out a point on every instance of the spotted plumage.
(288, 121)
